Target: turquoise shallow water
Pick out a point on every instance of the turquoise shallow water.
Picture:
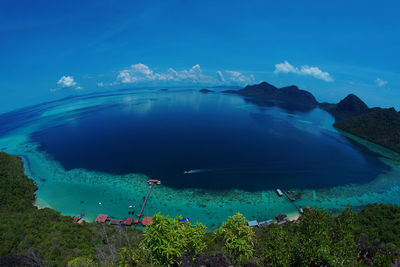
(77, 191)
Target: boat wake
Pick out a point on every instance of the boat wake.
(205, 170)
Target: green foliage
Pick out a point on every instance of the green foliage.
(317, 238)
(82, 262)
(55, 240)
(278, 246)
(238, 238)
(379, 223)
(17, 190)
(167, 240)
(380, 126)
(327, 240)
(382, 259)
(133, 257)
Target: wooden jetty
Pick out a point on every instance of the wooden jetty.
(151, 183)
(292, 199)
(289, 197)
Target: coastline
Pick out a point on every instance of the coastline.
(293, 216)
(208, 207)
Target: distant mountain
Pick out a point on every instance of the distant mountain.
(266, 90)
(380, 126)
(205, 91)
(350, 106)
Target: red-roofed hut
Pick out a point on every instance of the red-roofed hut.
(128, 221)
(101, 218)
(146, 221)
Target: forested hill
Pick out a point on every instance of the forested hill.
(380, 126)
(348, 107)
(265, 90)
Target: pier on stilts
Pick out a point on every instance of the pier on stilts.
(292, 199)
(151, 183)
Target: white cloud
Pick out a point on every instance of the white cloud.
(238, 77)
(66, 82)
(380, 83)
(140, 73)
(305, 70)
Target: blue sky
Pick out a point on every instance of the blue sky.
(50, 49)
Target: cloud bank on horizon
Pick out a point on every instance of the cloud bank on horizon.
(142, 74)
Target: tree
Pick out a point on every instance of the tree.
(238, 238)
(167, 240)
(279, 246)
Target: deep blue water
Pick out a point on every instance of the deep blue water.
(225, 141)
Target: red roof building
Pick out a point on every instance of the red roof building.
(75, 219)
(128, 221)
(146, 221)
(101, 218)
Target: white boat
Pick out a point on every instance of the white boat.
(279, 192)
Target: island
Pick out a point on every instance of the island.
(205, 91)
(265, 90)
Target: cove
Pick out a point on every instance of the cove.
(208, 141)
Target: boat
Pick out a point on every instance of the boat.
(279, 192)
(153, 181)
(131, 206)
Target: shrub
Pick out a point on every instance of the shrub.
(238, 238)
(167, 240)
